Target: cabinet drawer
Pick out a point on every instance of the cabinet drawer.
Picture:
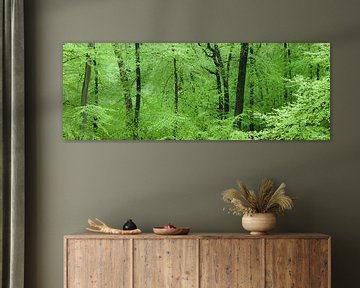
(165, 263)
(231, 263)
(98, 263)
(297, 263)
(197, 261)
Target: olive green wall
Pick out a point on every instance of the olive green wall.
(180, 182)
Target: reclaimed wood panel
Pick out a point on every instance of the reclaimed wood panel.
(166, 263)
(231, 263)
(287, 263)
(89, 235)
(320, 263)
(98, 264)
(197, 260)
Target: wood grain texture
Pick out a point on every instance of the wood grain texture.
(98, 264)
(287, 263)
(88, 235)
(319, 263)
(197, 260)
(164, 263)
(66, 262)
(231, 263)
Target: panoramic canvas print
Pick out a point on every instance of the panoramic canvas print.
(196, 91)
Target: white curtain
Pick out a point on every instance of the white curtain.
(12, 190)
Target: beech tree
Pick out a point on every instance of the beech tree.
(221, 73)
(240, 87)
(125, 82)
(138, 89)
(96, 90)
(176, 91)
(85, 87)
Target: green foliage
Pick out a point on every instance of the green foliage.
(291, 94)
(96, 123)
(307, 117)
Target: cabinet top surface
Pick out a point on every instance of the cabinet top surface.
(86, 235)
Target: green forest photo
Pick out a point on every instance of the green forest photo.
(196, 91)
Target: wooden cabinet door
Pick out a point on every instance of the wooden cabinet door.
(297, 263)
(320, 263)
(231, 263)
(165, 263)
(98, 263)
(287, 263)
(197, 262)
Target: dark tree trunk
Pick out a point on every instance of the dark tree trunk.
(260, 84)
(138, 89)
(286, 92)
(85, 87)
(224, 73)
(289, 62)
(192, 80)
(290, 71)
(221, 72)
(240, 87)
(213, 52)
(96, 91)
(287, 71)
(251, 87)
(124, 79)
(176, 93)
(96, 84)
(226, 83)
(219, 90)
(176, 87)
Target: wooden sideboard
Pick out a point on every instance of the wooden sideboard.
(197, 260)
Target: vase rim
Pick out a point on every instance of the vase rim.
(266, 213)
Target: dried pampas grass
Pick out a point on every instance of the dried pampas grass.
(245, 201)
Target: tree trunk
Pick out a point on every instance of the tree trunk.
(213, 52)
(287, 71)
(138, 89)
(289, 62)
(221, 72)
(176, 92)
(224, 73)
(240, 87)
(96, 83)
(124, 79)
(286, 92)
(318, 71)
(251, 87)
(176, 87)
(96, 91)
(85, 87)
(226, 83)
(260, 103)
(289, 68)
(219, 90)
